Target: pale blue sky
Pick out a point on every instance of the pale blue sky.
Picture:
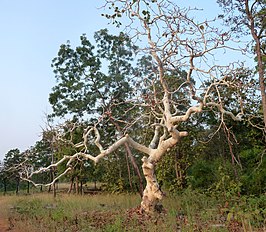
(31, 33)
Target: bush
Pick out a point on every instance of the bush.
(202, 174)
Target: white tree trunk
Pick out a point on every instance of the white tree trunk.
(152, 194)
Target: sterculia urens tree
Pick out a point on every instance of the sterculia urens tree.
(179, 69)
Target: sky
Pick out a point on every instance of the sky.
(31, 33)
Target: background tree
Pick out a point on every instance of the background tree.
(247, 17)
(3, 178)
(85, 89)
(40, 155)
(12, 167)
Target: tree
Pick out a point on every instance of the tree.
(82, 86)
(13, 163)
(176, 44)
(248, 17)
(40, 155)
(3, 177)
(84, 89)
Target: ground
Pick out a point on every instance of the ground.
(191, 211)
(4, 223)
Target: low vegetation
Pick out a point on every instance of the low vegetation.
(187, 211)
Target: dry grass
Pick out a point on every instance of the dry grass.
(186, 212)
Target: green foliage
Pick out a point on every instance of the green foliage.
(254, 171)
(10, 171)
(12, 159)
(248, 209)
(115, 177)
(218, 175)
(165, 173)
(236, 15)
(117, 226)
(82, 83)
(171, 171)
(226, 181)
(91, 81)
(202, 174)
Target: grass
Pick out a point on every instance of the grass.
(190, 211)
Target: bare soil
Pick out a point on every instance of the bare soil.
(4, 222)
(4, 225)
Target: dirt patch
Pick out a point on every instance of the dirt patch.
(4, 222)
